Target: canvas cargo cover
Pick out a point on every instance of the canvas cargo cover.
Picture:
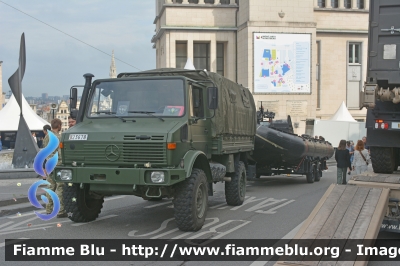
(236, 113)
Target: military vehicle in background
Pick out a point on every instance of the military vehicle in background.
(381, 94)
(165, 133)
(279, 151)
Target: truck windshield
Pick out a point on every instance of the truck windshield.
(139, 98)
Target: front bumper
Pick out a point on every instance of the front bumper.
(120, 176)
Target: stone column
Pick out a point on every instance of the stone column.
(366, 4)
(354, 4)
(341, 3)
(190, 49)
(328, 4)
(316, 3)
(213, 54)
(201, 2)
(232, 2)
(185, 2)
(168, 2)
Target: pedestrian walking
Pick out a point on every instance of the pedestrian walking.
(364, 140)
(361, 158)
(57, 187)
(342, 158)
(350, 148)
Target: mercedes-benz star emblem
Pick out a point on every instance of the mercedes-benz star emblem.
(112, 153)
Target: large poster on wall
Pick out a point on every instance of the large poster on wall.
(282, 63)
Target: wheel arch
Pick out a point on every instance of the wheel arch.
(197, 159)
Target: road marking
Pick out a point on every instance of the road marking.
(25, 214)
(218, 205)
(265, 203)
(6, 224)
(20, 231)
(272, 211)
(159, 204)
(216, 220)
(15, 225)
(221, 234)
(4, 243)
(99, 219)
(114, 198)
(261, 261)
(162, 227)
(249, 200)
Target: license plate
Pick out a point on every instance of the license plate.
(395, 125)
(78, 137)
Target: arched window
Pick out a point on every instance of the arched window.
(321, 3)
(334, 3)
(347, 4)
(361, 4)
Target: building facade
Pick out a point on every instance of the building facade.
(62, 114)
(320, 45)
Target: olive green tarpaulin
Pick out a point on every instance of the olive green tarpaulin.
(236, 113)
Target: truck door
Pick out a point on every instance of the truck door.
(200, 133)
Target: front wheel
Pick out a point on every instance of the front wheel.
(83, 206)
(235, 191)
(383, 160)
(191, 201)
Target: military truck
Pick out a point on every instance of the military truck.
(165, 133)
(381, 93)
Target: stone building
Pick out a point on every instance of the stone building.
(320, 44)
(62, 114)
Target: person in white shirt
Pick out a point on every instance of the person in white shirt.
(361, 158)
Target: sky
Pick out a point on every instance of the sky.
(56, 61)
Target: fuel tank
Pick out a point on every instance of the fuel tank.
(275, 148)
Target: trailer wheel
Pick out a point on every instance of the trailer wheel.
(191, 201)
(235, 191)
(318, 172)
(83, 207)
(310, 176)
(382, 159)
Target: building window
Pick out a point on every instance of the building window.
(220, 59)
(321, 3)
(360, 4)
(177, 1)
(347, 3)
(193, 1)
(181, 54)
(354, 53)
(334, 3)
(209, 1)
(201, 56)
(225, 2)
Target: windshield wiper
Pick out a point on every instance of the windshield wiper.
(147, 113)
(113, 114)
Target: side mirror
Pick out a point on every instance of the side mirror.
(212, 96)
(73, 98)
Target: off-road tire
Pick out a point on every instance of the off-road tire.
(318, 172)
(191, 201)
(310, 176)
(382, 160)
(83, 207)
(235, 191)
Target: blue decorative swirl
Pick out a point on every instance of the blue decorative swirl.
(44, 153)
(32, 198)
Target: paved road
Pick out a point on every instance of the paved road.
(275, 208)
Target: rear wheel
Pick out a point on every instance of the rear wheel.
(235, 191)
(318, 172)
(310, 176)
(383, 159)
(191, 201)
(80, 205)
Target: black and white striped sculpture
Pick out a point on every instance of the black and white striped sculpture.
(25, 147)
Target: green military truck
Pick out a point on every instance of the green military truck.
(165, 133)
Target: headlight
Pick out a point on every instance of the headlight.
(65, 175)
(157, 177)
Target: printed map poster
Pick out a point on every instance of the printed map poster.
(282, 63)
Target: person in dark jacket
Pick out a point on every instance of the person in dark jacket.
(342, 158)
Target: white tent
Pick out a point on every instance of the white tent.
(342, 114)
(340, 126)
(9, 116)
